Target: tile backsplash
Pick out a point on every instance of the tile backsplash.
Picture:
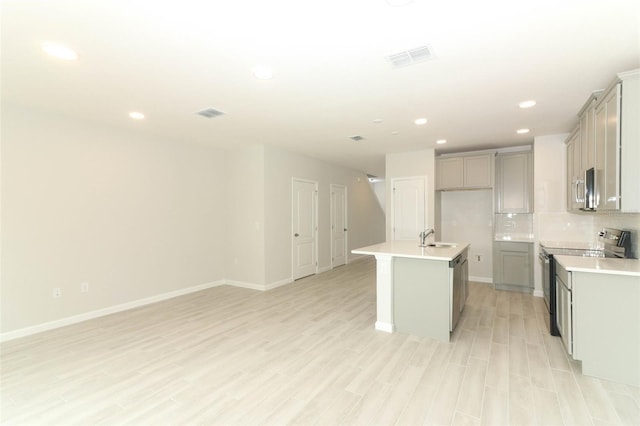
(584, 227)
(511, 226)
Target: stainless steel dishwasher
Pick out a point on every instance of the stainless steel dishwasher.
(459, 287)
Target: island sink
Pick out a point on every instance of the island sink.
(441, 245)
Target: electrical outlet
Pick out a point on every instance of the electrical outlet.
(478, 258)
(84, 287)
(57, 292)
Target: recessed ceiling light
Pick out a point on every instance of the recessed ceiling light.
(441, 141)
(527, 104)
(522, 131)
(59, 51)
(263, 72)
(421, 121)
(377, 120)
(136, 115)
(395, 133)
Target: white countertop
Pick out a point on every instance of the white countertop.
(412, 250)
(571, 245)
(600, 265)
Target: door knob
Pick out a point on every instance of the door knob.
(296, 235)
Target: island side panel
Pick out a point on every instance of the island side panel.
(606, 326)
(384, 293)
(421, 297)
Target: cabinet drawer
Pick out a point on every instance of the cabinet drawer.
(563, 275)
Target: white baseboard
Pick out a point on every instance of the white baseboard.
(259, 287)
(358, 257)
(481, 280)
(280, 283)
(243, 284)
(538, 293)
(385, 326)
(324, 269)
(27, 331)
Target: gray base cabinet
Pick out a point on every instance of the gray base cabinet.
(427, 299)
(513, 266)
(421, 299)
(602, 325)
(564, 308)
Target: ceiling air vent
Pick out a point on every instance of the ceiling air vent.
(210, 113)
(356, 137)
(409, 57)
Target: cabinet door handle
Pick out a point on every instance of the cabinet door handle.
(577, 197)
(296, 235)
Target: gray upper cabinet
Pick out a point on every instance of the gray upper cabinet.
(608, 151)
(617, 145)
(450, 173)
(478, 171)
(514, 182)
(465, 172)
(587, 158)
(608, 139)
(575, 182)
(581, 153)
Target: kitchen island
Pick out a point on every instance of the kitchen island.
(416, 291)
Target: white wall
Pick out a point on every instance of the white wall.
(245, 222)
(380, 189)
(549, 170)
(365, 217)
(468, 216)
(140, 218)
(410, 164)
(131, 215)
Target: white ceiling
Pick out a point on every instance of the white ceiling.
(170, 59)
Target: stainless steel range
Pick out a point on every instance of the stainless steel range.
(611, 243)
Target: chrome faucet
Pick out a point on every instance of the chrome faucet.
(423, 236)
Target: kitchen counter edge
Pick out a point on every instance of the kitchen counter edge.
(600, 265)
(410, 249)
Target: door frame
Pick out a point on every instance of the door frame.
(315, 214)
(346, 224)
(393, 208)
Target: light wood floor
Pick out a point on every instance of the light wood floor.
(305, 353)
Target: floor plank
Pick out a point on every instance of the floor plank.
(304, 353)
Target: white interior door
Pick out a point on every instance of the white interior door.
(304, 227)
(338, 225)
(409, 218)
